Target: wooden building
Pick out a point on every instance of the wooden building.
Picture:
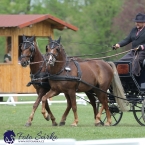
(13, 77)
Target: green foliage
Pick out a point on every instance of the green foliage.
(41, 43)
(94, 18)
(95, 27)
(14, 6)
(2, 48)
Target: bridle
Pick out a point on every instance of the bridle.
(52, 45)
(28, 45)
(55, 45)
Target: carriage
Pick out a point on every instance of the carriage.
(65, 75)
(134, 88)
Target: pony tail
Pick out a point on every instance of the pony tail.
(118, 90)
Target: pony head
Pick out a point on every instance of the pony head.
(52, 50)
(27, 50)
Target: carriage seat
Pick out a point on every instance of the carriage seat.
(126, 67)
(123, 67)
(124, 71)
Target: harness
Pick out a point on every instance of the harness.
(39, 76)
(36, 79)
(58, 77)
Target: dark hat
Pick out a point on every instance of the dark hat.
(139, 18)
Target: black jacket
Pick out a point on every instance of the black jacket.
(136, 40)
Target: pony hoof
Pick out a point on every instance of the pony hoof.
(28, 124)
(61, 123)
(47, 118)
(74, 125)
(54, 124)
(98, 124)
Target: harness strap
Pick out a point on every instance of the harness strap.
(58, 77)
(71, 78)
(78, 71)
(78, 68)
(44, 85)
(38, 74)
(41, 75)
(63, 78)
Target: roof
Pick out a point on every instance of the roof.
(22, 21)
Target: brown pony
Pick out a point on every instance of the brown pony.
(31, 56)
(69, 76)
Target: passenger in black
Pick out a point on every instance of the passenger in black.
(7, 57)
(137, 38)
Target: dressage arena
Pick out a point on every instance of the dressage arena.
(84, 131)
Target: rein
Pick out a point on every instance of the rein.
(90, 54)
(110, 55)
(36, 62)
(73, 57)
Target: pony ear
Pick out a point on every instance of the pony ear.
(50, 39)
(24, 37)
(31, 39)
(59, 39)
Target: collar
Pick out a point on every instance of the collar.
(140, 29)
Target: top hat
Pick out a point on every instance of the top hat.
(139, 18)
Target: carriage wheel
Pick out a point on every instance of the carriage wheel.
(138, 114)
(143, 110)
(116, 114)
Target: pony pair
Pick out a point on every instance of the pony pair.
(67, 75)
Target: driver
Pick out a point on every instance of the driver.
(137, 37)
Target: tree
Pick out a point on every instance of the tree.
(94, 22)
(93, 18)
(15, 6)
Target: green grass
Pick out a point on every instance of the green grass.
(14, 118)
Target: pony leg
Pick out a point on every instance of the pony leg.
(74, 107)
(108, 115)
(50, 114)
(48, 95)
(104, 101)
(98, 116)
(62, 122)
(93, 102)
(35, 106)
